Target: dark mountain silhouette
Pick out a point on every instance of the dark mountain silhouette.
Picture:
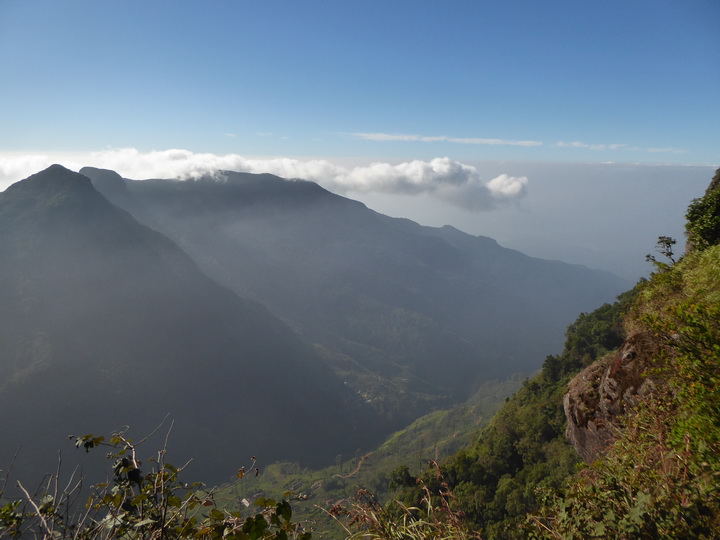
(410, 316)
(106, 322)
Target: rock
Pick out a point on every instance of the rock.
(600, 397)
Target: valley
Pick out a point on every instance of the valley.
(382, 361)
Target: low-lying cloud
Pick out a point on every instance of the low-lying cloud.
(446, 179)
(443, 178)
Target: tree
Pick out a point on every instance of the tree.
(664, 247)
(703, 221)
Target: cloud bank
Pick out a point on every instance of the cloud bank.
(442, 178)
(448, 180)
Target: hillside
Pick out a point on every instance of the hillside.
(113, 324)
(412, 318)
(108, 323)
(635, 393)
(651, 427)
(434, 436)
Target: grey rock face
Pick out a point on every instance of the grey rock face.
(600, 397)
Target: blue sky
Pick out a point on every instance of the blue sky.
(371, 98)
(560, 80)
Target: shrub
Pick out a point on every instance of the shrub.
(703, 221)
(137, 505)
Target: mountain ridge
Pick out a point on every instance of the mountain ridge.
(385, 296)
(108, 322)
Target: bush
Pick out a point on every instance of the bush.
(137, 505)
(703, 221)
(661, 477)
(435, 517)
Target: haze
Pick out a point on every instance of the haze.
(568, 131)
(323, 231)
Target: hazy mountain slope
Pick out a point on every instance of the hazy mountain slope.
(106, 323)
(436, 435)
(406, 314)
(635, 393)
(650, 422)
(498, 478)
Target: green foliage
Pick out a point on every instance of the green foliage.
(393, 465)
(590, 337)
(437, 516)
(703, 220)
(401, 477)
(715, 182)
(495, 481)
(645, 487)
(138, 505)
(664, 246)
(661, 477)
(691, 330)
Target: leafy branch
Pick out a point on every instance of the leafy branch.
(138, 505)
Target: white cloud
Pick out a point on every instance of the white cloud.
(442, 178)
(442, 138)
(14, 167)
(507, 186)
(495, 142)
(665, 150)
(505, 142)
(578, 144)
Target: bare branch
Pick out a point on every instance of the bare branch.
(35, 506)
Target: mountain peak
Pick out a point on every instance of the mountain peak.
(53, 173)
(104, 175)
(50, 182)
(54, 168)
(58, 198)
(108, 183)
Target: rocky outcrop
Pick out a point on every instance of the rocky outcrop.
(599, 397)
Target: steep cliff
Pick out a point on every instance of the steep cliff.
(647, 416)
(600, 396)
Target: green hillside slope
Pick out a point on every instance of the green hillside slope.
(635, 392)
(494, 480)
(645, 412)
(659, 477)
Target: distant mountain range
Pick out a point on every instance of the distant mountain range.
(268, 317)
(107, 322)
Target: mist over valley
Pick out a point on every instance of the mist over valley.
(265, 316)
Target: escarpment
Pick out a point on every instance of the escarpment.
(599, 398)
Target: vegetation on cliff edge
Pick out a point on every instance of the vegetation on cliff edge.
(661, 478)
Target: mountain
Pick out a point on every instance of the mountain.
(107, 322)
(635, 394)
(411, 317)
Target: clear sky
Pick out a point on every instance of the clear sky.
(425, 90)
